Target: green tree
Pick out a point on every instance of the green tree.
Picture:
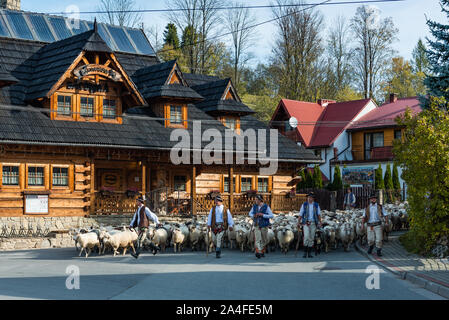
(263, 105)
(302, 183)
(348, 94)
(309, 179)
(318, 180)
(421, 67)
(424, 159)
(396, 183)
(189, 48)
(168, 53)
(388, 181)
(400, 79)
(337, 183)
(379, 182)
(171, 35)
(438, 54)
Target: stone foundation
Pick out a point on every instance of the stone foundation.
(56, 229)
(56, 241)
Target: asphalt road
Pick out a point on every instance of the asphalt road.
(41, 274)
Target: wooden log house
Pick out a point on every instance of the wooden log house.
(86, 116)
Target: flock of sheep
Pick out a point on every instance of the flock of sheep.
(340, 228)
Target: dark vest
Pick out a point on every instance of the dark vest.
(225, 218)
(349, 197)
(306, 212)
(143, 222)
(261, 221)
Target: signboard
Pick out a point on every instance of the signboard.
(97, 69)
(363, 176)
(36, 204)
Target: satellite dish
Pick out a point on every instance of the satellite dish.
(293, 122)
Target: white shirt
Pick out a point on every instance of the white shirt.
(373, 216)
(310, 214)
(150, 215)
(219, 216)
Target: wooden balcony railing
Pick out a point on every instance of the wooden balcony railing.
(379, 153)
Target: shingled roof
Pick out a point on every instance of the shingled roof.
(141, 129)
(5, 77)
(153, 83)
(53, 60)
(213, 91)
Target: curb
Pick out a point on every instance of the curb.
(420, 280)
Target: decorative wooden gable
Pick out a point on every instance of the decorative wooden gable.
(176, 77)
(94, 88)
(230, 93)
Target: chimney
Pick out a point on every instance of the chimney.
(10, 4)
(325, 102)
(393, 97)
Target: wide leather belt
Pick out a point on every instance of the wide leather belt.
(374, 224)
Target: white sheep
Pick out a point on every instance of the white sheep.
(285, 237)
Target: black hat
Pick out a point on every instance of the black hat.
(373, 195)
(218, 198)
(259, 197)
(311, 194)
(140, 199)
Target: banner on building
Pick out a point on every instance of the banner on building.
(363, 176)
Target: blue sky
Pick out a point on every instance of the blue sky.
(408, 16)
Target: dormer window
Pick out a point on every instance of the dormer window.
(109, 108)
(232, 123)
(176, 114)
(87, 107)
(64, 105)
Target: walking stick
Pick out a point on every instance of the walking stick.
(207, 243)
(297, 242)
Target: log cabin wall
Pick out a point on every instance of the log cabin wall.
(207, 182)
(71, 198)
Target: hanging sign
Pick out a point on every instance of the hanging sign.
(97, 69)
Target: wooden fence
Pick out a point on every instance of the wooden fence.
(167, 202)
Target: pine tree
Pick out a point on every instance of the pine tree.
(420, 62)
(301, 184)
(337, 183)
(318, 180)
(438, 54)
(388, 181)
(396, 183)
(379, 182)
(171, 35)
(309, 179)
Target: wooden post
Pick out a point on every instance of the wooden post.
(193, 190)
(272, 200)
(144, 180)
(231, 189)
(92, 187)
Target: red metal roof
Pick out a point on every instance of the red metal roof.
(334, 120)
(320, 126)
(385, 115)
(307, 114)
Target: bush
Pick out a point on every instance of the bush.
(424, 158)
